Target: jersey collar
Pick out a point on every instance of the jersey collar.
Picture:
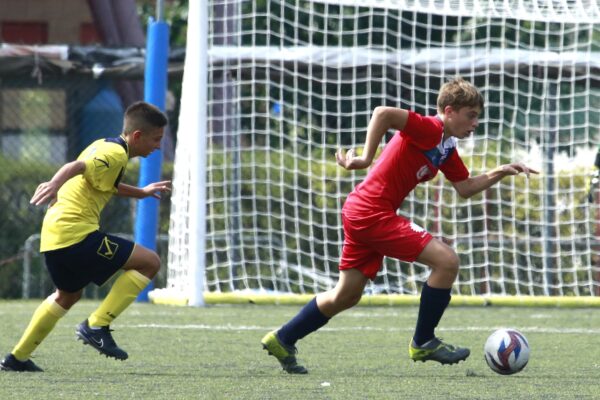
(120, 141)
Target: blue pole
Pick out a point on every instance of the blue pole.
(155, 88)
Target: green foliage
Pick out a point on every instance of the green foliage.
(508, 225)
(288, 202)
(267, 207)
(175, 14)
(290, 22)
(525, 34)
(19, 220)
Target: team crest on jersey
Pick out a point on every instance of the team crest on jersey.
(107, 248)
(441, 152)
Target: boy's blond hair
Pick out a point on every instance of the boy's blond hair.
(459, 93)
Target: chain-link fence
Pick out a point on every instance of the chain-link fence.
(51, 108)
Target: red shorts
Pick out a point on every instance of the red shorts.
(368, 240)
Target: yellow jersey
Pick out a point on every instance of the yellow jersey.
(80, 200)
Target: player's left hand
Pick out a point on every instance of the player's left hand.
(154, 189)
(517, 168)
(350, 160)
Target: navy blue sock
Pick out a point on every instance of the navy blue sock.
(433, 304)
(308, 320)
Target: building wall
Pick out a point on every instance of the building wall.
(67, 20)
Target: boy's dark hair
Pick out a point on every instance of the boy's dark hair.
(459, 93)
(142, 116)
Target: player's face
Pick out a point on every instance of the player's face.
(462, 122)
(146, 143)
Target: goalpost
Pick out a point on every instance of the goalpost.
(283, 84)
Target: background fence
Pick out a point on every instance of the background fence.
(54, 101)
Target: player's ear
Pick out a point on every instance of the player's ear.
(448, 110)
(137, 135)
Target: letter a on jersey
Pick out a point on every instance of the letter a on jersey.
(107, 248)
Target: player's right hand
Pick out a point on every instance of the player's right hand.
(45, 192)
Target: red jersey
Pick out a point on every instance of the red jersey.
(414, 155)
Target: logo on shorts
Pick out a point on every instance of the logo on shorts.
(107, 248)
(416, 227)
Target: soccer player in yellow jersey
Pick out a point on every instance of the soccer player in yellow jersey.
(77, 253)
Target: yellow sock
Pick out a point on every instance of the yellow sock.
(42, 322)
(121, 295)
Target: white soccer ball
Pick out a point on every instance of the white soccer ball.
(506, 351)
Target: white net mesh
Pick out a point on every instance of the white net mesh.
(289, 82)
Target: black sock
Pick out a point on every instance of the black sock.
(308, 320)
(433, 304)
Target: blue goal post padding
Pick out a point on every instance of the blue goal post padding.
(155, 88)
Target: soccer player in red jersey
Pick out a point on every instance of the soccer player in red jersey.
(372, 229)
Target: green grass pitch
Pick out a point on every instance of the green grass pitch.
(215, 353)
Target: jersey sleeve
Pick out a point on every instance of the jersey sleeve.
(104, 168)
(423, 132)
(453, 168)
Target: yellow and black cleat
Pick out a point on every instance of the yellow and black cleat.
(436, 350)
(286, 355)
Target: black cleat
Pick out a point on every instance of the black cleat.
(101, 340)
(10, 363)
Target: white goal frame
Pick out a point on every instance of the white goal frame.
(527, 250)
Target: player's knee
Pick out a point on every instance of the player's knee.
(153, 263)
(451, 263)
(66, 299)
(447, 263)
(146, 263)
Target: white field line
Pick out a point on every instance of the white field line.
(238, 328)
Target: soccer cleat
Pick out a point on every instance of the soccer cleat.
(436, 350)
(286, 355)
(10, 363)
(101, 340)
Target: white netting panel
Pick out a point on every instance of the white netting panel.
(528, 10)
(289, 82)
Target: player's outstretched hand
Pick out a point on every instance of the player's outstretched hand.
(45, 193)
(350, 160)
(154, 189)
(517, 168)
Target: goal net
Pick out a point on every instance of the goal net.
(257, 192)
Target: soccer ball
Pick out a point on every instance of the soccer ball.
(506, 351)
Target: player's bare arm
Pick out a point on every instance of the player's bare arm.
(473, 185)
(153, 189)
(383, 119)
(46, 192)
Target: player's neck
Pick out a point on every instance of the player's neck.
(447, 134)
(126, 139)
